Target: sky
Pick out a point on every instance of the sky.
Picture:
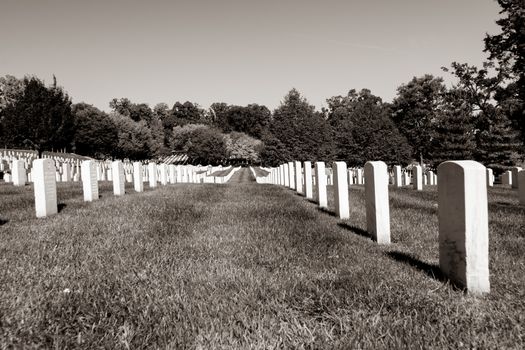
(238, 51)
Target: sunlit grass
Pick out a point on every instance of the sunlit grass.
(246, 266)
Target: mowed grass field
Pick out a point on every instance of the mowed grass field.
(243, 266)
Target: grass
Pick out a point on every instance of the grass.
(260, 172)
(246, 266)
(222, 172)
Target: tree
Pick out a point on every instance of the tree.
(303, 133)
(207, 146)
(415, 109)
(184, 113)
(453, 137)
(95, 134)
(508, 48)
(252, 120)
(363, 130)
(40, 119)
(11, 90)
(134, 138)
(241, 146)
(272, 151)
(181, 136)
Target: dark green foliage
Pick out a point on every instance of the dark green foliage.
(207, 146)
(453, 137)
(508, 48)
(273, 151)
(252, 120)
(364, 130)
(184, 113)
(303, 132)
(40, 119)
(414, 110)
(95, 134)
(134, 138)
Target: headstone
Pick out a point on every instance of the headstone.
(320, 184)
(398, 182)
(89, 180)
(286, 175)
(138, 182)
(521, 186)
(376, 197)
(463, 224)
(490, 177)
(417, 175)
(45, 187)
(152, 173)
(431, 178)
(172, 174)
(117, 171)
(291, 174)
(342, 206)
(18, 173)
(308, 190)
(66, 172)
(515, 170)
(506, 178)
(360, 178)
(163, 174)
(298, 177)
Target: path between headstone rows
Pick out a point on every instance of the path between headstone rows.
(243, 175)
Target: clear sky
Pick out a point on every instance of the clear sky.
(237, 51)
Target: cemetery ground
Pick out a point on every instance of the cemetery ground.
(243, 265)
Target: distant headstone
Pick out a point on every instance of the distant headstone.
(342, 206)
(152, 173)
(417, 175)
(515, 170)
(66, 172)
(308, 189)
(138, 182)
(376, 197)
(490, 177)
(163, 174)
(117, 171)
(45, 187)
(291, 173)
(398, 182)
(359, 176)
(286, 175)
(18, 173)
(463, 224)
(298, 177)
(89, 180)
(506, 178)
(320, 184)
(172, 174)
(521, 186)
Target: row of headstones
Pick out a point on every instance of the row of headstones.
(45, 187)
(462, 209)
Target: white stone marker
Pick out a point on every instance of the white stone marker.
(18, 173)
(417, 175)
(490, 177)
(398, 181)
(298, 177)
(359, 176)
(377, 207)
(286, 175)
(463, 224)
(342, 206)
(172, 173)
(45, 187)
(521, 186)
(515, 170)
(308, 192)
(66, 172)
(152, 174)
(291, 174)
(163, 174)
(118, 178)
(138, 181)
(320, 184)
(89, 180)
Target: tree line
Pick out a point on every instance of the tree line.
(481, 117)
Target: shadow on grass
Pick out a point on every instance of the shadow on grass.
(61, 206)
(3, 221)
(431, 270)
(358, 231)
(326, 211)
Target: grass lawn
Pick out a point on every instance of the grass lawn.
(246, 266)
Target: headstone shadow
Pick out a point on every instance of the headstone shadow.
(326, 211)
(3, 221)
(358, 231)
(61, 206)
(431, 270)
